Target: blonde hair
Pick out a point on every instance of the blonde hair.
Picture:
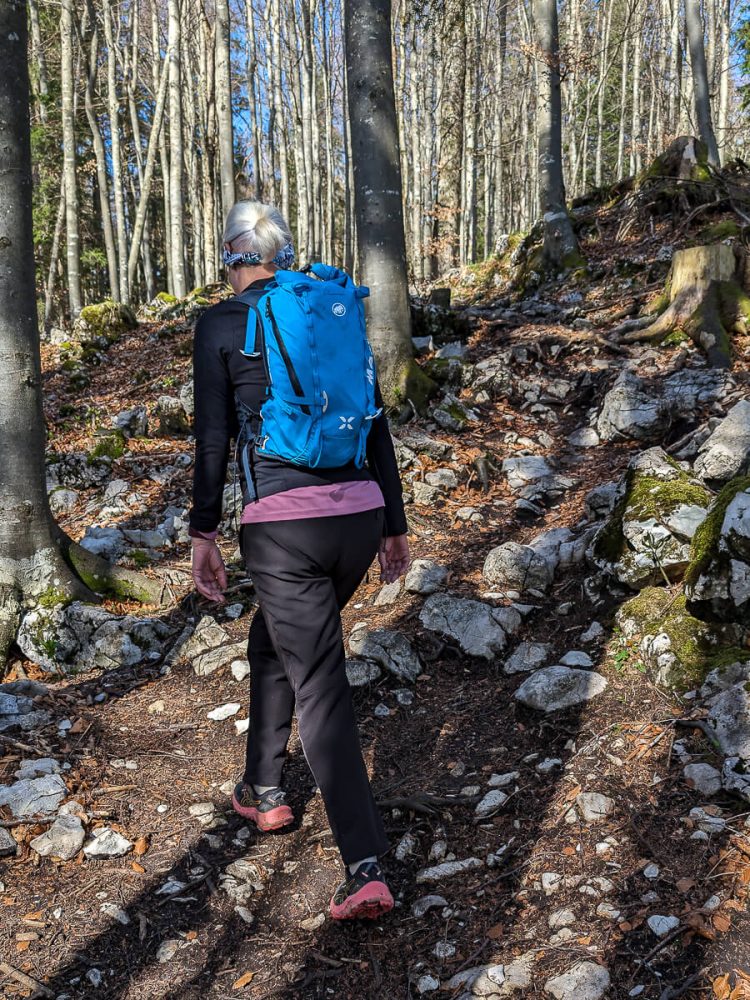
(253, 227)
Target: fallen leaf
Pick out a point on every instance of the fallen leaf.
(137, 868)
(36, 915)
(243, 981)
(721, 987)
(721, 922)
(22, 945)
(496, 932)
(140, 846)
(585, 940)
(191, 935)
(684, 885)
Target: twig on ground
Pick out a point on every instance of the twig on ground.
(673, 992)
(423, 802)
(24, 980)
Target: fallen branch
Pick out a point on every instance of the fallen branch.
(423, 802)
(24, 980)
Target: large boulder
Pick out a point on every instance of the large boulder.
(479, 629)
(391, 650)
(648, 533)
(518, 567)
(554, 688)
(725, 454)
(641, 411)
(83, 637)
(717, 580)
(676, 649)
(108, 320)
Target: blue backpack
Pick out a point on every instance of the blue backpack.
(310, 330)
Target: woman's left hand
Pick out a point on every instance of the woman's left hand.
(393, 556)
(209, 574)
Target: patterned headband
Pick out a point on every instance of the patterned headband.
(284, 258)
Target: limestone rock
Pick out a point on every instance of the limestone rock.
(649, 531)
(729, 718)
(425, 577)
(391, 650)
(8, 845)
(518, 567)
(132, 423)
(703, 778)
(171, 419)
(584, 981)
(360, 673)
(525, 469)
(641, 411)
(594, 806)
(107, 843)
(448, 869)
(388, 594)
(34, 796)
(64, 839)
(725, 454)
(213, 659)
(554, 688)
(426, 495)
(527, 656)
(479, 629)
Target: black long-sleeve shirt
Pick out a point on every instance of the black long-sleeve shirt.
(222, 372)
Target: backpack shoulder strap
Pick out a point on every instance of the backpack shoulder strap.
(252, 348)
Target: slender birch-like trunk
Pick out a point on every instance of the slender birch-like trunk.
(223, 84)
(701, 93)
(176, 195)
(116, 155)
(72, 237)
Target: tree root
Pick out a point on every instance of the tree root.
(102, 578)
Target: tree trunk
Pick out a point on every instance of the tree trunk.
(117, 168)
(177, 236)
(224, 106)
(705, 302)
(451, 132)
(100, 157)
(49, 288)
(700, 79)
(69, 159)
(33, 550)
(255, 127)
(560, 245)
(377, 194)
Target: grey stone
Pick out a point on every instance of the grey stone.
(729, 718)
(576, 658)
(208, 634)
(593, 806)
(388, 594)
(636, 410)
(424, 494)
(34, 796)
(561, 918)
(171, 419)
(426, 903)
(722, 589)
(527, 656)
(735, 777)
(703, 778)
(448, 869)
(423, 345)
(443, 478)
(425, 577)
(107, 843)
(36, 768)
(391, 650)
(360, 673)
(726, 453)
(490, 803)
(584, 437)
(554, 688)
(213, 659)
(64, 839)
(593, 632)
(109, 543)
(584, 981)
(494, 980)
(453, 415)
(187, 397)
(145, 539)
(662, 925)
(61, 501)
(132, 423)
(525, 469)
(518, 567)
(240, 669)
(479, 629)
(8, 845)
(453, 350)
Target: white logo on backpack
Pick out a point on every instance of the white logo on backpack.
(347, 423)
(338, 309)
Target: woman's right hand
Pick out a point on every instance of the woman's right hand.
(393, 556)
(209, 573)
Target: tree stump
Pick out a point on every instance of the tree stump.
(705, 302)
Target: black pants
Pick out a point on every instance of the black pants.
(304, 573)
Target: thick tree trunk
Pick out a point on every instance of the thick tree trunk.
(32, 548)
(67, 75)
(560, 244)
(694, 27)
(705, 302)
(224, 106)
(377, 195)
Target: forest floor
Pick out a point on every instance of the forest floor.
(143, 753)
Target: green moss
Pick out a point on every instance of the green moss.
(110, 446)
(720, 231)
(167, 299)
(442, 370)
(140, 557)
(676, 338)
(106, 319)
(52, 598)
(705, 540)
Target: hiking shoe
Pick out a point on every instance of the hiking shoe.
(362, 896)
(268, 811)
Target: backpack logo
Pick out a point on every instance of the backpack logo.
(338, 309)
(347, 423)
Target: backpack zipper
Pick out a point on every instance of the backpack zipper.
(293, 377)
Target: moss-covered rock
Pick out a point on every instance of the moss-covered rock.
(724, 230)
(108, 320)
(677, 649)
(108, 446)
(646, 538)
(717, 579)
(443, 325)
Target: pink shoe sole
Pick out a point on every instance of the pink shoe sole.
(370, 902)
(274, 819)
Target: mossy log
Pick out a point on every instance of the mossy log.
(705, 302)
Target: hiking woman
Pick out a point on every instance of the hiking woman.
(308, 536)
